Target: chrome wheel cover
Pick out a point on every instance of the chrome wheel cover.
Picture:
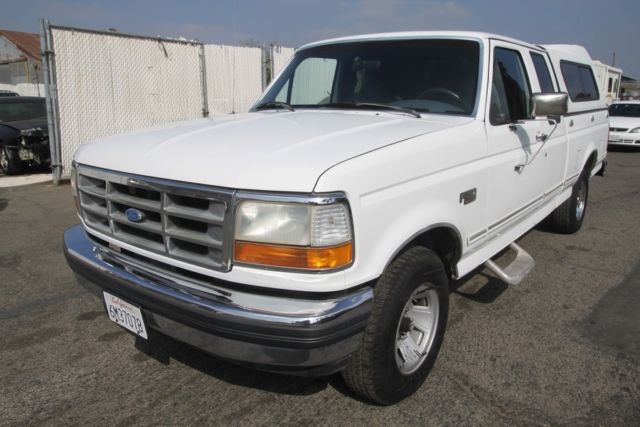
(416, 329)
(581, 200)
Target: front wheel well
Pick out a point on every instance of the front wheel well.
(591, 162)
(444, 241)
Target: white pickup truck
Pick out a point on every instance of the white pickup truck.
(320, 231)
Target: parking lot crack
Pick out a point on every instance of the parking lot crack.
(509, 417)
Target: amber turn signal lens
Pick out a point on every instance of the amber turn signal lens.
(294, 256)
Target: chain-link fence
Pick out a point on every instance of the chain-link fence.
(280, 56)
(108, 84)
(101, 83)
(234, 77)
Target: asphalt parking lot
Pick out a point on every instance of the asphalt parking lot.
(561, 348)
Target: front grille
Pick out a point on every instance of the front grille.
(618, 129)
(183, 221)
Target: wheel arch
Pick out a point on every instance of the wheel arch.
(592, 160)
(442, 238)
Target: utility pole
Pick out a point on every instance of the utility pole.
(613, 61)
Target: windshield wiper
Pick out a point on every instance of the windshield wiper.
(373, 106)
(274, 104)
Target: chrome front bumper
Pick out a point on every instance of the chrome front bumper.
(301, 334)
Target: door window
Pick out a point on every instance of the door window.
(542, 71)
(510, 89)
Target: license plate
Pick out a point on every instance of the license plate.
(125, 314)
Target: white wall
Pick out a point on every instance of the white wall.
(8, 50)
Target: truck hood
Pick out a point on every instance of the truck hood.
(276, 151)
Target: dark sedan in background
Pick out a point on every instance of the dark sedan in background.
(24, 136)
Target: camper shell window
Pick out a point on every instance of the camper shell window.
(581, 84)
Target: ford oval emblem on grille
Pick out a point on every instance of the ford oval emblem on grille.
(134, 215)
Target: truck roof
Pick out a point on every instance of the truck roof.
(571, 52)
(408, 35)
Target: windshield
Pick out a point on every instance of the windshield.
(430, 76)
(22, 110)
(624, 110)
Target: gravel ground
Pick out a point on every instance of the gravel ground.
(561, 348)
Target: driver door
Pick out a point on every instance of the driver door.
(516, 178)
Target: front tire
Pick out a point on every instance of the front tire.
(568, 217)
(8, 163)
(405, 330)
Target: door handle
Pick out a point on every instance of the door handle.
(592, 118)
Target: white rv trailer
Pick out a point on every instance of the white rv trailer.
(609, 78)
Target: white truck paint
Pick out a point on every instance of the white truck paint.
(427, 163)
(463, 183)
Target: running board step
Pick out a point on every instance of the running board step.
(515, 272)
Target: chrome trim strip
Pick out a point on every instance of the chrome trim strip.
(308, 199)
(522, 211)
(476, 236)
(554, 189)
(568, 182)
(514, 214)
(250, 306)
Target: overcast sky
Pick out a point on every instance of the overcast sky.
(602, 26)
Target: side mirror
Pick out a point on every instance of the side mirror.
(552, 105)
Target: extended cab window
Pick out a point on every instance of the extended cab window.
(580, 82)
(510, 90)
(428, 76)
(542, 71)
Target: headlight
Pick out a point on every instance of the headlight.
(293, 235)
(635, 130)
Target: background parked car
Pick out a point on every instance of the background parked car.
(8, 93)
(624, 123)
(24, 136)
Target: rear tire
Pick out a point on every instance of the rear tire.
(405, 330)
(568, 217)
(8, 163)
